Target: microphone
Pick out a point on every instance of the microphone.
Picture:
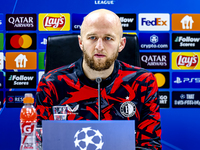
(98, 80)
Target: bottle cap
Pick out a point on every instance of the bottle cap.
(28, 98)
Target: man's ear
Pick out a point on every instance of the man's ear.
(80, 42)
(122, 44)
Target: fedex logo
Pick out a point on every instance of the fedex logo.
(154, 22)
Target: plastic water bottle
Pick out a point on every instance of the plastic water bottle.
(28, 123)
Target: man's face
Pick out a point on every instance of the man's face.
(99, 61)
(100, 42)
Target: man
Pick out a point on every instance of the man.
(127, 92)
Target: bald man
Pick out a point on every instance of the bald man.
(127, 92)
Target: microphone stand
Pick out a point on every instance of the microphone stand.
(98, 80)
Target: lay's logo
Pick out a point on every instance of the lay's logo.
(185, 60)
(54, 22)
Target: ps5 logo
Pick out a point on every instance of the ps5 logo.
(187, 80)
(44, 42)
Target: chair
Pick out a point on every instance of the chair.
(64, 49)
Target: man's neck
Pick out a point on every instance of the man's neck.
(93, 74)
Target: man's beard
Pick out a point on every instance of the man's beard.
(98, 65)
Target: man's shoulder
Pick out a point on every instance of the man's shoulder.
(63, 70)
(134, 71)
(127, 67)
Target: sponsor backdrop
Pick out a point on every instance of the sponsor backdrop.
(169, 35)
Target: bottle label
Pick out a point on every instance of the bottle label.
(27, 128)
(28, 139)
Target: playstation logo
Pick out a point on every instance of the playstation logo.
(154, 39)
(178, 80)
(44, 42)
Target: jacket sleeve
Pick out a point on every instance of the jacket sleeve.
(45, 97)
(148, 133)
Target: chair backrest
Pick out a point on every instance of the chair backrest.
(64, 49)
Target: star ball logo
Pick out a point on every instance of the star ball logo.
(54, 22)
(86, 137)
(20, 41)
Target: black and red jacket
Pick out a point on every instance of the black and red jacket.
(129, 93)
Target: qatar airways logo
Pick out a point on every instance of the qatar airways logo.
(189, 61)
(155, 60)
(21, 22)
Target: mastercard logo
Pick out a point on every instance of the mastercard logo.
(24, 41)
(162, 79)
(21, 41)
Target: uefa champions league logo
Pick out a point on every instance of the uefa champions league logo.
(88, 138)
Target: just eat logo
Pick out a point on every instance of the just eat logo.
(154, 22)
